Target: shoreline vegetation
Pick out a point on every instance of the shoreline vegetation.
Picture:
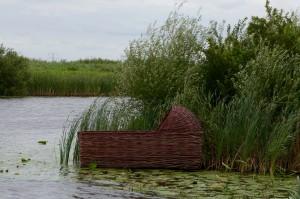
(242, 82)
(87, 77)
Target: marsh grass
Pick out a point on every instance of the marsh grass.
(72, 78)
(257, 130)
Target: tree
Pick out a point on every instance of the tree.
(156, 64)
(14, 74)
(276, 29)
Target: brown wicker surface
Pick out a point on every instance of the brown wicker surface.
(176, 144)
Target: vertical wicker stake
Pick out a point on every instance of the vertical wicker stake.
(175, 144)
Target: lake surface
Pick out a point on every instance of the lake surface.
(31, 170)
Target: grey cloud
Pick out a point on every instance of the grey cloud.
(101, 28)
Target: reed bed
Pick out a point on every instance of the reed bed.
(72, 78)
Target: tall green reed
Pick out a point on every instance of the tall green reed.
(54, 83)
(295, 194)
(81, 78)
(257, 129)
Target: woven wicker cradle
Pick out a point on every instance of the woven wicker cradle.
(175, 144)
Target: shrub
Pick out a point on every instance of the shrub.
(14, 74)
(223, 57)
(156, 64)
(227, 53)
(276, 29)
(256, 129)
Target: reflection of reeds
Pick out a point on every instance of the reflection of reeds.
(295, 194)
(71, 79)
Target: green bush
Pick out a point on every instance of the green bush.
(256, 129)
(223, 57)
(227, 53)
(278, 28)
(156, 64)
(14, 74)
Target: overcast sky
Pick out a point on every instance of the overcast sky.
(75, 29)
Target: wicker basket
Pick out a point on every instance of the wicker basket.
(175, 144)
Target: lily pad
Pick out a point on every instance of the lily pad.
(92, 166)
(43, 142)
(24, 160)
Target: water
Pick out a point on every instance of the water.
(31, 170)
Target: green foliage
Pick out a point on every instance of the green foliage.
(227, 53)
(156, 64)
(223, 58)
(276, 29)
(243, 85)
(79, 78)
(256, 129)
(273, 76)
(14, 74)
(295, 193)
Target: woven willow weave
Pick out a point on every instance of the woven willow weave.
(175, 144)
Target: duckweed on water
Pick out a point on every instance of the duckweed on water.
(182, 184)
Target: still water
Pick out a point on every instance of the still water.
(31, 170)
